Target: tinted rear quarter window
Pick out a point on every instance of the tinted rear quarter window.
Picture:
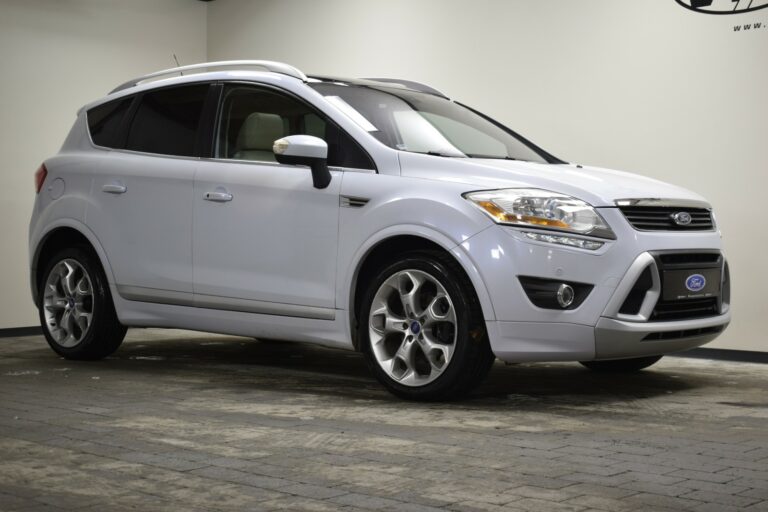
(167, 120)
(105, 120)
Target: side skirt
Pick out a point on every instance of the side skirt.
(330, 332)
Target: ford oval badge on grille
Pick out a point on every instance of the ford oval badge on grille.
(681, 218)
(695, 282)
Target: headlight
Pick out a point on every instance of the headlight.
(536, 208)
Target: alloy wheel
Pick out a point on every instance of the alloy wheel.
(412, 327)
(68, 302)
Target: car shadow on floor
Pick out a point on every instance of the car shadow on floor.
(244, 365)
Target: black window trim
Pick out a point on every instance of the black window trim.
(209, 120)
(259, 85)
(122, 132)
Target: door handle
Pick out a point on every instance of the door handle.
(115, 187)
(218, 196)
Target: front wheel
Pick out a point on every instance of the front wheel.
(622, 365)
(76, 309)
(422, 329)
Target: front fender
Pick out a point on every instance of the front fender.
(397, 206)
(345, 292)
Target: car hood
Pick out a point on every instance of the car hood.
(596, 186)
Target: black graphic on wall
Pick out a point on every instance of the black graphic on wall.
(723, 6)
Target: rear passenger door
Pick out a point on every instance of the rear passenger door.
(141, 208)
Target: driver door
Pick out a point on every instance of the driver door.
(264, 239)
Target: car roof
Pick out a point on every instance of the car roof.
(381, 82)
(246, 70)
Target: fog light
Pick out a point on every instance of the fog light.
(565, 295)
(554, 293)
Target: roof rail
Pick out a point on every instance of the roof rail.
(268, 65)
(410, 84)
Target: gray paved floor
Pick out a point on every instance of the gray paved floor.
(184, 421)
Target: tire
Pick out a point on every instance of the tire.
(75, 306)
(621, 365)
(447, 353)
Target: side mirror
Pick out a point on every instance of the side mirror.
(305, 150)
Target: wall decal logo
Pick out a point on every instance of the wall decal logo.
(695, 282)
(723, 6)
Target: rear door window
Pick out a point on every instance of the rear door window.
(167, 121)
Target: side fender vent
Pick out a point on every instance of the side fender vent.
(352, 202)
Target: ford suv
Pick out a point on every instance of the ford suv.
(378, 215)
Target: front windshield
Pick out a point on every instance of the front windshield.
(423, 123)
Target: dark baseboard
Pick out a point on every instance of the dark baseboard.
(723, 354)
(21, 331)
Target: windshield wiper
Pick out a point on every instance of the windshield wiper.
(437, 153)
(490, 157)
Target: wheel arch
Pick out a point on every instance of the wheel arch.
(65, 233)
(386, 245)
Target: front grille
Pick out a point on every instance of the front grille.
(687, 333)
(659, 218)
(685, 309)
(689, 258)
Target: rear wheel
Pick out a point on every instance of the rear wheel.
(622, 365)
(76, 309)
(422, 330)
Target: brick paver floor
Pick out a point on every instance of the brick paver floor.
(187, 421)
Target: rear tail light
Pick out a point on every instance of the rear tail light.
(40, 176)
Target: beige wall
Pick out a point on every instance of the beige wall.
(55, 56)
(645, 86)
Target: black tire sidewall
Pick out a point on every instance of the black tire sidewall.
(103, 311)
(440, 387)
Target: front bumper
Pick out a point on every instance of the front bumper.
(616, 339)
(608, 339)
(520, 331)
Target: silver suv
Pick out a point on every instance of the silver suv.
(375, 215)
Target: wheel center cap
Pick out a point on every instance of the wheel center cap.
(415, 327)
(70, 302)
